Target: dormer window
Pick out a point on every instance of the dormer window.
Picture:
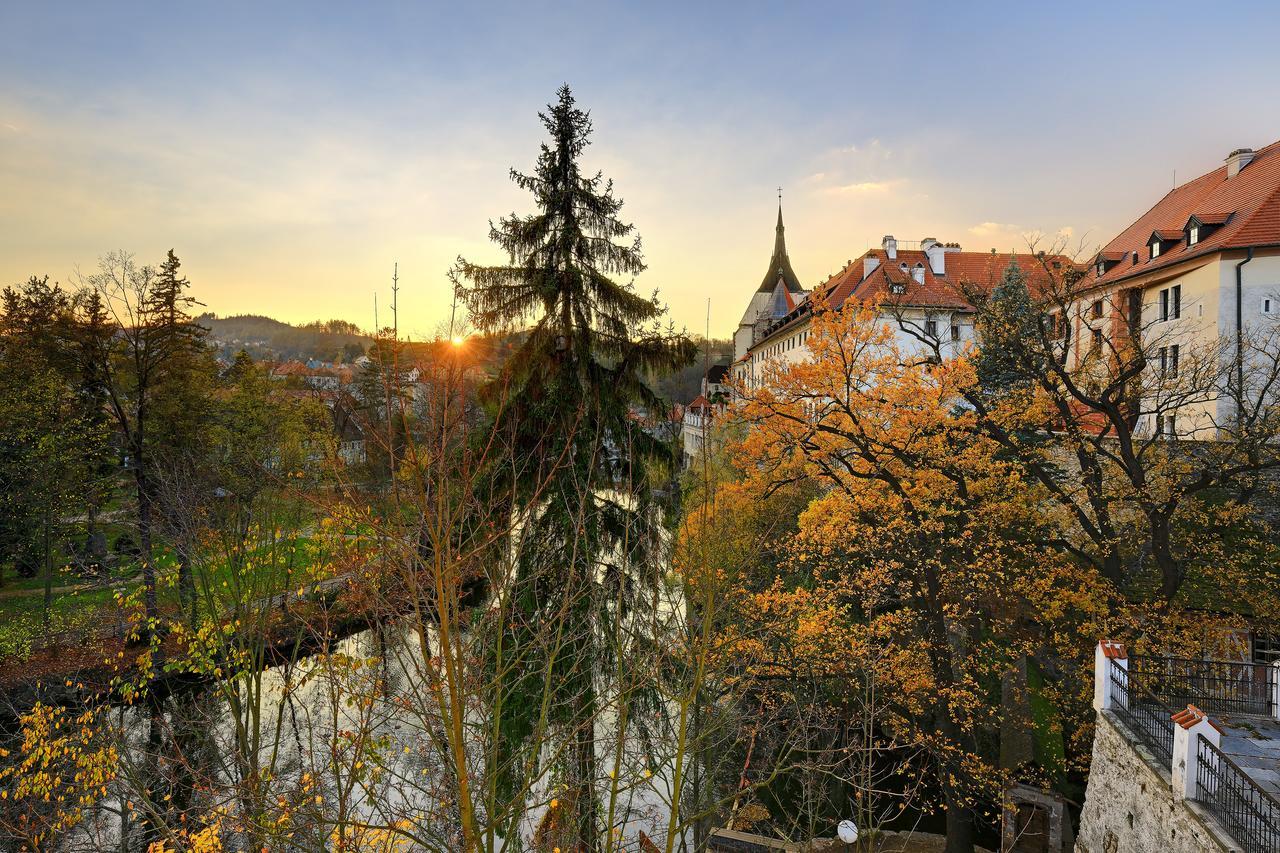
(1106, 261)
(1202, 225)
(1159, 241)
(897, 287)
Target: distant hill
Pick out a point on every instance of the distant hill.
(265, 338)
(685, 384)
(340, 341)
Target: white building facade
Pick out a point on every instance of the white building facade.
(920, 287)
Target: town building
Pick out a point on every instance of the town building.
(695, 427)
(921, 289)
(778, 294)
(1195, 277)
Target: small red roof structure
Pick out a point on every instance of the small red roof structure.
(1113, 650)
(1190, 716)
(699, 403)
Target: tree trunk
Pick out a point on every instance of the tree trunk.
(1162, 553)
(584, 759)
(144, 541)
(959, 825)
(48, 572)
(186, 585)
(153, 782)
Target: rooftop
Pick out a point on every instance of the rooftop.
(908, 279)
(1237, 205)
(779, 263)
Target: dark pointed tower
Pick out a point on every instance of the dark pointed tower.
(780, 264)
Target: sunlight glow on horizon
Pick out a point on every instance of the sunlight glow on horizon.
(288, 161)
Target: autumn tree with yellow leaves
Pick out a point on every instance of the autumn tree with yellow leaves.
(928, 545)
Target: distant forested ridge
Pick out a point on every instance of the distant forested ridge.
(341, 341)
(265, 338)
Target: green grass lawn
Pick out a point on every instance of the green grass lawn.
(222, 582)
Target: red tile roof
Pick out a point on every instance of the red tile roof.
(1113, 650)
(960, 270)
(944, 292)
(1246, 208)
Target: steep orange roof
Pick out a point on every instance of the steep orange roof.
(961, 270)
(946, 291)
(1245, 209)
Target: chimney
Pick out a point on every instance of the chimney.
(917, 272)
(890, 246)
(869, 264)
(936, 253)
(1237, 160)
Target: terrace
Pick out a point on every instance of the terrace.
(1214, 724)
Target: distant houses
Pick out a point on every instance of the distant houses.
(695, 428)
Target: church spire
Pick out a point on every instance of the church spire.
(780, 264)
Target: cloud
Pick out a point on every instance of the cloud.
(991, 229)
(867, 187)
(871, 149)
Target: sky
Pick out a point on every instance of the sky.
(291, 153)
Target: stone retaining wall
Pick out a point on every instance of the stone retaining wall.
(1130, 806)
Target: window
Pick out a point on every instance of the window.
(1268, 306)
(1166, 426)
(1266, 648)
(1173, 360)
(1155, 249)
(1193, 235)
(1102, 268)
(955, 332)
(897, 288)
(1097, 341)
(1169, 362)
(931, 328)
(1097, 309)
(1171, 302)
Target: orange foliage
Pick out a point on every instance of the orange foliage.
(927, 560)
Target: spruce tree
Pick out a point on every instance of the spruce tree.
(153, 370)
(578, 476)
(1005, 330)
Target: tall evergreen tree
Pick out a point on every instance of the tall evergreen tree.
(52, 446)
(1008, 327)
(579, 471)
(153, 368)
